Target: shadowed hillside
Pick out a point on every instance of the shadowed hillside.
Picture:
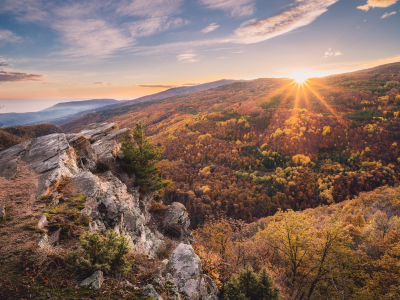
(10, 136)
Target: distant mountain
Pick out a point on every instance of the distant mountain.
(162, 95)
(57, 111)
(10, 136)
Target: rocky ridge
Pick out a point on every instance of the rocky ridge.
(110, 203)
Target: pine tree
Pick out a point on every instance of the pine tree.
(250, 286)
(266, 288)
(140, 160)
(249, 283)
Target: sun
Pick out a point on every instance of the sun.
(301, 76)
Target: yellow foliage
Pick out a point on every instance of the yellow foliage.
(396, 114)
(326, 130)
(300, 159)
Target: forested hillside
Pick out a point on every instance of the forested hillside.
(348, 250)
(10, 136)
(248, 149)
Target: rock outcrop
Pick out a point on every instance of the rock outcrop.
(187, 274)
(177, 221)
(109, 203)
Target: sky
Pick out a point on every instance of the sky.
(62, 50)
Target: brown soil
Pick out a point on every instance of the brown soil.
(22, 209)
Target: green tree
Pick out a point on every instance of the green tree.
(140, 160)
(103, 253)
(251, 286)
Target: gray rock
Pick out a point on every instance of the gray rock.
(42, 223)
(43, 241)
(149, 291)
(95, 131)
(186, 270)
(177, 216)
(93, 282)
(49, 156)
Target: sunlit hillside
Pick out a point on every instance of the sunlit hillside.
(248, 149)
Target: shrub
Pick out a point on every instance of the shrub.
(251, 286)
(103, 253)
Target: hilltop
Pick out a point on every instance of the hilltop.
(60, 110)
(247, 149)
(161, 95)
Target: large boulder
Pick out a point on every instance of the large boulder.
(176, 222)
(49, 156)
(186, 270)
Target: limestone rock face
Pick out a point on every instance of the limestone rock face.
(186, 270)
(49, 156)
(177, 218)
(93, 282)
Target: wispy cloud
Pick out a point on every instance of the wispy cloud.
(331, 53)
(8, 36)
(91, 37)
(187, 57)
(152, 26)
(236, 8)
(93, 29)
(210, 28)
(387, 15)
(17, 76)
(301, 13)
(156, 86)
(149, 8)
(377, 3)
(103, 83)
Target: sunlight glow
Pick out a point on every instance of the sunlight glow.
(301, 76)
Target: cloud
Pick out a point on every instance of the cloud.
(17, 76)
(97, 29)
(156, 86)
(103, 83)
(237, 8)
(149, 8)
(154, 25)
(377, 3)
(8, 36)
(210, 28)
(187, 57)
(91, 37)
(331, 53)
(190, 84)
(301, 13)
(387, 15)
